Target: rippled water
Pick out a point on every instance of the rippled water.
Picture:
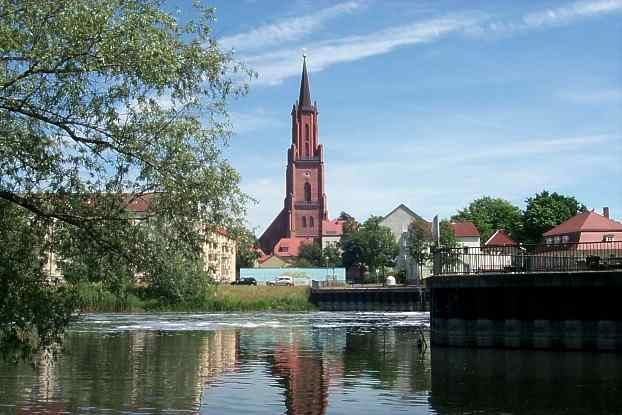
(318, 363)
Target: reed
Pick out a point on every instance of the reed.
(93, 297)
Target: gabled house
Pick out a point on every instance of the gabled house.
(466, 234)
(587, 226)
(398, 220)
(500, 238)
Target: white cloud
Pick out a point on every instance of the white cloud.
(275, 66)
(567, 14)
(440, 182)
(286, 30)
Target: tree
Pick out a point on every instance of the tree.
(101, 105)
(419, 241)
(345, 217)
(489, 214)
(447, 237)
(371, 245)
(546, 210)
(246, 249)
(310, 255)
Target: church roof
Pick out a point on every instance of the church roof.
(585, 222)
(304, 101)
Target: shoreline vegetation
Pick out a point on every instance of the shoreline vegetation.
(94, 298)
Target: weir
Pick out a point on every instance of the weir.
(370, 298)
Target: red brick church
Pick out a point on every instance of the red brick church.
(304, 217)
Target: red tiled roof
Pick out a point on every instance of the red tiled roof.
(138, 204)
(500, 238)
(465, 229)
(332, 227)
(287, 247)
(585, 222)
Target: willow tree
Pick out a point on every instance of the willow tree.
(101, 103)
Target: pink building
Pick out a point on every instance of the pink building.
(585, 227)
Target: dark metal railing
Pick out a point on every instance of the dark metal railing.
(583, 256)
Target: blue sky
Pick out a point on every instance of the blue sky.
(432, 103)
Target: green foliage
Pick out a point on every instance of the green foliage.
(94, 297)
(419, 241)
(310, 255)
(447, 237)
(33, 310)
(101, 103)
(370, 244)
(246, 252)
(546, 210)
(489, 214)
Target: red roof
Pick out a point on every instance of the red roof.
(286, 247)
(465, 229)
(138, 204)
(500, 238)
(332, 227)
(585, 222)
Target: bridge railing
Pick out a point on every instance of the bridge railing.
(582, 256)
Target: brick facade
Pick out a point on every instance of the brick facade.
(304, 212)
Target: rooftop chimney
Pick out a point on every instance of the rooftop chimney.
(606, 212)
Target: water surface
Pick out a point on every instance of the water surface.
(317, 363)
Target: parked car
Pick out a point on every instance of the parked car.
(245, 281)
(283, 280)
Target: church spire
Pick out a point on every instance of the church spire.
(304, 101)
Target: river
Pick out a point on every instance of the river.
(311, 363)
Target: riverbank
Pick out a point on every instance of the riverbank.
(92, 298)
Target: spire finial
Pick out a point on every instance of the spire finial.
(305, 96)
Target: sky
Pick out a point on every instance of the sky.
(431, 103)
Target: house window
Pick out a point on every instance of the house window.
(608, 238)
(304, 221)
(283, 249)
(307, 192)
(549, 241)
(310, 221)
(565, 239)
(557, 240)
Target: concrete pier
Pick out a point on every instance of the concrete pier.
(572, 310)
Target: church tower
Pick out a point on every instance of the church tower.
(305, 212)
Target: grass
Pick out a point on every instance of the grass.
(259, 298)
(94, 298)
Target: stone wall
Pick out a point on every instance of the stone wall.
(578, 310)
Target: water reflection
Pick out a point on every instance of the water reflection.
(298, 364)
(525, 382)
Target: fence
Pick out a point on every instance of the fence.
(583, 256)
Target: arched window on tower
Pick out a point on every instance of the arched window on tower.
(307, 135)
(304, 221)
(307, 192)
(310, 221)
